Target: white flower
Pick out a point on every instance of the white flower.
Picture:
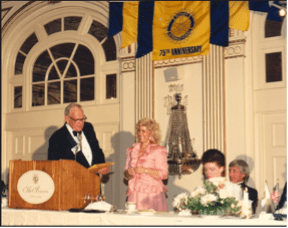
(179, 199)
(217, 181)
(197, 191)
(223, 193)
(208, 198)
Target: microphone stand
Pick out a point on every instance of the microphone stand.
(79, 145)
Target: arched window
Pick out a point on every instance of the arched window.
(61, 73)
(65, 72)
(273, 28)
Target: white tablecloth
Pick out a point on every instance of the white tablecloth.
(20, 217)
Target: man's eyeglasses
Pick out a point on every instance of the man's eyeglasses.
(81, 120)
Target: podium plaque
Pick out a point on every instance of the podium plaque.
(50, 185)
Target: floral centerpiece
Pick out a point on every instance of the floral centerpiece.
(212, 199)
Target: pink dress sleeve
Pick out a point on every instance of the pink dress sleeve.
(128, 158)
(161, 163)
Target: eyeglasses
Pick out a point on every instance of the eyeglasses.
(81, 120)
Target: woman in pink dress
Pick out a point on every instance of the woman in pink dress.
(146, 167)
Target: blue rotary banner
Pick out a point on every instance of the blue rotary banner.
(180, 29)
(175, 29)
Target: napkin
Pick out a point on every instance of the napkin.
(185, 213)
(99, 205)
(266, 216)
(4, 202)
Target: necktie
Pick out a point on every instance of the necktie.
(80, 140)
(242, 185)
(76, 132)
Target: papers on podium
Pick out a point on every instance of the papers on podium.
(95, 168)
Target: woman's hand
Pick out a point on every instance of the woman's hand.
(151, 172)
(131, 171)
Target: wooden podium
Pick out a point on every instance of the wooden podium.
(72, 181)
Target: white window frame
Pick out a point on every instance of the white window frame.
(80, 36)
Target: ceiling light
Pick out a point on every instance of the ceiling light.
(282, 12)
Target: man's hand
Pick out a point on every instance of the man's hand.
(104, 171)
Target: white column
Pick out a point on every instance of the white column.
(213, 100)
(144, 104)
(237, 99)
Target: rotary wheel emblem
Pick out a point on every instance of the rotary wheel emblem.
(180, 26)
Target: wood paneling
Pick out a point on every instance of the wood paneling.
(72, 183)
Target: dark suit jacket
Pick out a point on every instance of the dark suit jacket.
(253, 195)
(283, 198)
(61, 143)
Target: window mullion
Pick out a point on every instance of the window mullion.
(23, 53)
(78, 88)
(70, 60)
(45, 93)
(40, 32)
(62, 24)
(54, 63)
(103, 40)
(61, 91)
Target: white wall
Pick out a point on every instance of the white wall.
(126, 136)
(192, 81)
(234, 108)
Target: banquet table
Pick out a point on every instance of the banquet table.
(20, 217)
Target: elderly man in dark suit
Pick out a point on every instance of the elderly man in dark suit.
(239, 173)
(76, 140)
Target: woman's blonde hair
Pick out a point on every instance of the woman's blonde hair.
(152, 126)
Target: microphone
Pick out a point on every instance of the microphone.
(79, 145)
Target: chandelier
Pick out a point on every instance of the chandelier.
(181, 157)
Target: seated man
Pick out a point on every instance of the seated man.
(239, 173)
(76, 140)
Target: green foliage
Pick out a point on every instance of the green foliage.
(217, 207)
(209, 186)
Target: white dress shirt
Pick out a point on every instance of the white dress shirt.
(86, 150)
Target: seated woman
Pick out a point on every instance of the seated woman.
(214, 169)
(146, 167)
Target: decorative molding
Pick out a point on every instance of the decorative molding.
(17, 13)
(128, 64)
(4, 12)
(235, 49)
(178, 61)
(53, 2)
